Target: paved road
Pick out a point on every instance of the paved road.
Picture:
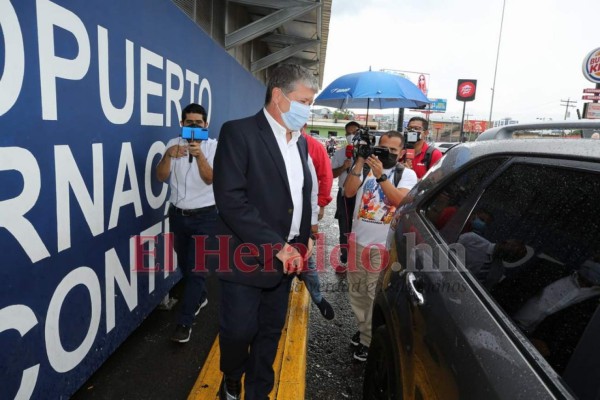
(148, 365)
(331, 371)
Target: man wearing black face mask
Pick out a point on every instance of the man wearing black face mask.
(188, 168)
(377, 196)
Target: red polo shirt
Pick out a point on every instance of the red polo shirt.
(322, 168)
(419, 165)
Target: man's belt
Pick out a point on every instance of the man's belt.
(193, 211)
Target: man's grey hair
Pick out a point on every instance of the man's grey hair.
(287, 76)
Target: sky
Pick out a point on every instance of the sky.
(543, 45)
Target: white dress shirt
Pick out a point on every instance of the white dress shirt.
(188, 190)
(555, 297)
(293, 167)
(338, 159)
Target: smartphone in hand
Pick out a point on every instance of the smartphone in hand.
(194, 133)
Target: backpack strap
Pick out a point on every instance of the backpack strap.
(427, 157)
(398, 174)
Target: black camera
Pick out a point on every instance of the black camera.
(382, 153)
(410, 138)
(363, 142)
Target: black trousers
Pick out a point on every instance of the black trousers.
(343, 212)
(250, 323)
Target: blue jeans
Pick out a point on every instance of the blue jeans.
(184, 229)
(311, 280)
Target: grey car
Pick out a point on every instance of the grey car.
(493, 281)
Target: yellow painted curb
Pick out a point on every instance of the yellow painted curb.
(289, 364)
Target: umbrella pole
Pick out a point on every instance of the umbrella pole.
(367, 119)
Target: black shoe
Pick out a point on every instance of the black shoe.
(361, 353)
(355, 339)
(326, 309)
(230, 389)
(201, 306)
(182, 334)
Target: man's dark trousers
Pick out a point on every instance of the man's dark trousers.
(249, 343)
(343, 212)
(184, 229)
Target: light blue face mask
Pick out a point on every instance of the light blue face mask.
(478, 225)
(297, 116)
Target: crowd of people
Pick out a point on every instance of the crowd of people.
(264, 187)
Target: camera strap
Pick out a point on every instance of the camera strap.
(397, 172)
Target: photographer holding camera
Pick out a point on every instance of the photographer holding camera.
(380, 184)
(187, 165)
(424, 155)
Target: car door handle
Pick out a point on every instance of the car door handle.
(416, 296)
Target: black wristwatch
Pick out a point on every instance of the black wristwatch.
(382, 178)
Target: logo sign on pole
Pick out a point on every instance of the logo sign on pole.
(591, 66)
(466, 89)
(591, 90)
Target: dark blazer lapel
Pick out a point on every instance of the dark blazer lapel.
(268, 138)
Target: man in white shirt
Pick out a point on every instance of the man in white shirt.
(187, 165)
(377, 196)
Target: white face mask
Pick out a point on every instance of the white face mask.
(349, 138)
(295, 118)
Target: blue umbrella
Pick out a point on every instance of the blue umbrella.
(371, 89)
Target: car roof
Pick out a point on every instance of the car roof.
(565, 148)
(506, 131)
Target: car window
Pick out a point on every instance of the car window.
(532, 242)
(441, 210)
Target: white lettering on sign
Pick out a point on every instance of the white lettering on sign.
(173, 95)
(22, 319)
(114, 273)
(156, 151)
(12, 211)
(122, 197)
(112, 113)
(60, 359)
(68, 177)
(81, 184)
(148, 87)
(11, 79)
(154, 230)
(52, 67)
(193, 79)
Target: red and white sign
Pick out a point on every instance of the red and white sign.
(591, 66)
(590, 97)
(593, 111)
(465, 90)
(475, 126)
(591, 90)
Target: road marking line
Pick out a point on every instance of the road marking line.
(289, 364)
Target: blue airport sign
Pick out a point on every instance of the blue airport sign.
(90, 93)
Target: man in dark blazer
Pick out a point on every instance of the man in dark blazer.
(262, 187)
